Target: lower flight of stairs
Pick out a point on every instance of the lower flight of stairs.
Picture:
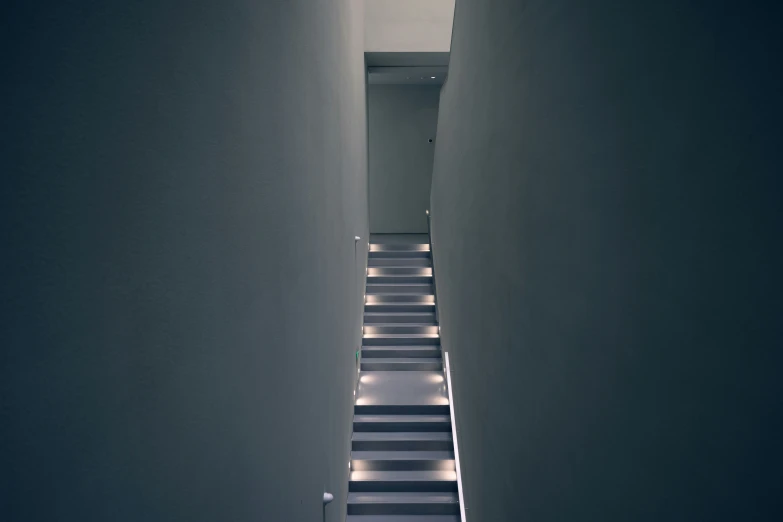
(402, 456)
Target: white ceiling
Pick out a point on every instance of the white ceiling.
(406, 59)
(408, 41)
(408, 25)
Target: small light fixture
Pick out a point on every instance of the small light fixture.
(432, 77)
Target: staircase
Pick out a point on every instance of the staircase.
(402, 453)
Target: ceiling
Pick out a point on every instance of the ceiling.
(434, 75)
(406, 59)
(407, 68)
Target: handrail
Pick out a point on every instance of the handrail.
(447, 371)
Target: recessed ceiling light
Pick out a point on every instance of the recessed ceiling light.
(432, 77)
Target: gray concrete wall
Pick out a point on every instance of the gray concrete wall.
(181, 295)
(607, 240)
(402, 118)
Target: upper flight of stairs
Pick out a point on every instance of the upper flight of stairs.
(402, 452)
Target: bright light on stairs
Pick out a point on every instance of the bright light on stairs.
(402, 451)
(390, 247)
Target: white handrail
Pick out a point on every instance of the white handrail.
(447, 370)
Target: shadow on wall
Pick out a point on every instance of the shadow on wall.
(606, 230)
(181, 301)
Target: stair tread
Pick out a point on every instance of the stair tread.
(398, 270)
(382, 294)
(401, 418)
(389, 476)
(400, 255)
(405, 359)
(380, 319)
(370, 353)
(398, 289)
(369, 283)
(420, 289)
(402, 455)
(399, 303)
(398, 314)
(401, 347)
(399, 279)
(397, 254)
(402, 518)
(421, 279)
(401, 435)
(425, 325)
(385, 254)
(378, 271)
(400, 335)
(407, 497)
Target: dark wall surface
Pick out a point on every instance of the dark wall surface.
(402, 120)
(181, 188)
(606, 214)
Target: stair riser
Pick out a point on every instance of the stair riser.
(404, 518)
(401, 329)
(420, 262)
(399, 279)
(400, 341)
(399, 352)
(399, 308)
(402, 445)
(369, 366)
(376, 271)
(424, 319)
(408, 248)
(398, 409)
(401, 426)
(417, 290)
(376, 301)
(399, 255)
(433, 486)
(402, 465)
(388, 508)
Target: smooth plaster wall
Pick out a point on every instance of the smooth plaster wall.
(402, 118)
(408, 25)
(181, 189)
(606, 213)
